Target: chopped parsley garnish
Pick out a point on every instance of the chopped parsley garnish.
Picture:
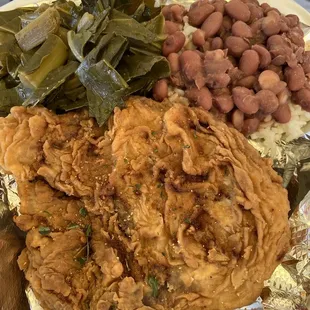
(83, 212)
(81, 260)
(187, 221)
(126, 161)
(186, 146)
(156, 150)
(160, 185)
(43, 230)
(73, 226)
(153, 133)
(153, 283)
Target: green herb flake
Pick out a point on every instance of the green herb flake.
(156, 150)
(81, 260)
(153, 133)
(73, 226)
(195, 135)
(88, 230)
(126, 161)
(138, 186)
(83, 212)
(153, 283)
(160, 185)
(43, 230)
(187, 221)
(186, 146)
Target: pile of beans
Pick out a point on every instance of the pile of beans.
(246, 60)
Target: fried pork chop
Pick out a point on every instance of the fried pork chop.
(168, 209)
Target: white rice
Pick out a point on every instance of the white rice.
(271, 132)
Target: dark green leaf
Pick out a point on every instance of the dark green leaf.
(153, 283)
(73, 226)
(156, 67)
(83, 212)
(92, 57)
(85, 22)
(44, 230)
(54, 79)
(10, 21)
(124, 25)
(115, 50)
(98, 20)
(101, 78)
(89, 5)
(100, 30)
(69, 12)
(77, 42)
(45, 50)
(11, 97)
(156, 25)
(100, 108)
(12, 65)
(68, 105)
(138, 14)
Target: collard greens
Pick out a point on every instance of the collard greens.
(109, 48)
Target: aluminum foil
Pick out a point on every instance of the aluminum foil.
(289, 286)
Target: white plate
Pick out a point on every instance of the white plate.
(284, 6)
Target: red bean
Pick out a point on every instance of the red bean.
(217, 80)
(268, 79)
(256, 12)
(283, 114)
(212, 24)
(306, 62)
(236, 46)
(250, 126)
(191, 64)
(198, 38)
(224, 103)
(269, 102)
(302, 97)
(241, 29)
(293, 20)
(173, 43)
(219, 6)
(271, 24)
(227, 23)
(171, 27)
(247, 82)
(160, 90)
(173, 59)
(174, 12)
(199, 11)
(249, 62)
(279, 60)
(217, 43)
(264, 55)
(295, 78)
(284, 96)
(202, 97)
(237, 119)
(245, 100)
(238, 10)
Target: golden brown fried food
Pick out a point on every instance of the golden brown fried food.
(182, 211)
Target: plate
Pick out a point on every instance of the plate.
(284, 6)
